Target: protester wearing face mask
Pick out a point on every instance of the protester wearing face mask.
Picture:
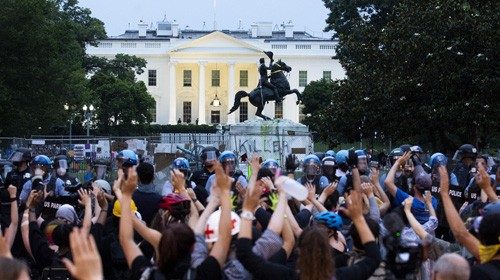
(42, 178)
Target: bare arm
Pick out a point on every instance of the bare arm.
(202, 221)
(150, 235)
(483, 181)
(10, 232)
(389, 180)
(327, 192)
(278, 217)
(380, 193)
(86, 200)
(417, 227)
(221, 246)
(297, 230)
(288, 238)
(462, 235)
(126, 233)
(311, 196)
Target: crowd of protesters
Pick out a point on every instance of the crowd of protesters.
(346, 217)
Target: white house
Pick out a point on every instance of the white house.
(188, 69)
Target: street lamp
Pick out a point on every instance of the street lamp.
(88, 116)
(66, 107)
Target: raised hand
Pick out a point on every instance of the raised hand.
(101, 199)
(367, 189)
(407, 203)
(178, 180)
(84, 197)
(86, 264)
(129, 185)
(354, 209)
(12, 191)
(330, 189)
(444, 182)
(221, 179)
(255, 163)
(311, 192)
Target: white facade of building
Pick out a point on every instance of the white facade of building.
(187, 69)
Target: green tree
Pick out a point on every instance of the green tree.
(42, 50)
(421, 71)
(120, 99)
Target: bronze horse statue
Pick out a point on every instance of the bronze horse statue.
(261, 95)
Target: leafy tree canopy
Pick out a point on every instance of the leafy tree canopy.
(417, 71)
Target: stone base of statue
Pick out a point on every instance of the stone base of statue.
(271, 139)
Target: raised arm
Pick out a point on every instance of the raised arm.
(10, 232)
(221, 246)
(389, 180)
(379, 192)
(179, 183)
(461, 234)
(126, 233)
(329, 190)
(311, 196)
(483, 181)
(103, 206)
(415, 225)
(278, 217)
(86, 201)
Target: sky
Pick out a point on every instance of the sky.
(119, 15)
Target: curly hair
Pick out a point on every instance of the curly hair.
(315, 261)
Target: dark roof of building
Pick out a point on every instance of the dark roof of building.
(238, 34)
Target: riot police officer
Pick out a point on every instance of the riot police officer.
(229, 162)
(311, 167)
(61, 172)
(464, 170)
(21, 172)
(209, 156)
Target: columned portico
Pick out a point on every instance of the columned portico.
(201, 93)
(172, 94)
(231, 119)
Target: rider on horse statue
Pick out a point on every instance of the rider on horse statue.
(263, 80)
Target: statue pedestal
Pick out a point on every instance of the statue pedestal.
(271, 139)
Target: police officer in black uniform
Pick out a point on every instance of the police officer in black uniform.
(464, 171)
(17, 177)
(209, 156)
(61, 166)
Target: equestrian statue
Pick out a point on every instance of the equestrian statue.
(268, 91)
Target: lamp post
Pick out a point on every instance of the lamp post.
(88, 116)
(66, 107)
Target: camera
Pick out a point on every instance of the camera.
(403, 259)
(37, 184)
(374, 164)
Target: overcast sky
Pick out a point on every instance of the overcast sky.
(117, 15)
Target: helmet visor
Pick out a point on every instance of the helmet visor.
(63, 163)
(100, 171)
(229, 165)
(312, 170)
(16, 157)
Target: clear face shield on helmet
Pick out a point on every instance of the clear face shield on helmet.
(100, 171)
(211, 158)
(229, 166)
(273, 167)
(363, 164)
(329, 170)
(16, 157)
(63, 167)
(312, 170)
